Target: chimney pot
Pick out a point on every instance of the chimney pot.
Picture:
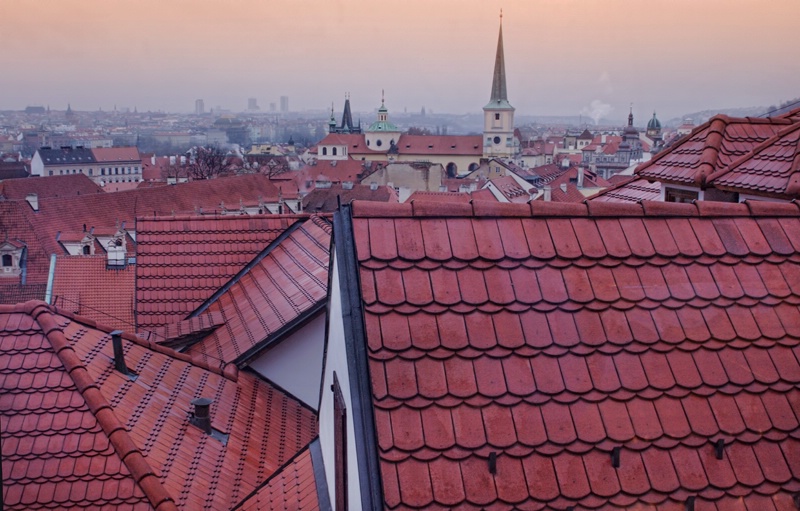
(119, 355)
(202, 414)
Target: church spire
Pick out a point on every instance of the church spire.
(499, 78)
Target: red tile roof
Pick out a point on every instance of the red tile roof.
(327, 200)
(116, 154)
(16, 225)
(48, 186)
(181, 261)
(439, 196)
(711, 147)
(771, 168)
(287, 282)
(441, 144)
(293, 488)
(636, 190)
(517, 351)
(78, 434)
(83, 285)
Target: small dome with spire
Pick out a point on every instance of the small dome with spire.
(654, 123)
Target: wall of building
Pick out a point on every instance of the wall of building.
(336, 361)
(296, 363)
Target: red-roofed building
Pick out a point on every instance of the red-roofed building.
(728, 159)
(125, 428)
(564, 356)
(103, 165)
(45, 187)
(183, 260)
(89, 287)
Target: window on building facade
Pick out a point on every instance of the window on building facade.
(675, 195)
(333, 152)
(7, 261)
(324, 151)
(86, 250)
(340, 445)
(496, 117)
(50, 173)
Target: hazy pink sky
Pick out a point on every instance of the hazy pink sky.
(674, 56)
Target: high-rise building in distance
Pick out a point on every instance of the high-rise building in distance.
(199, 107)
(284, 104)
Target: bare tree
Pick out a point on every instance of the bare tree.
(207, 162)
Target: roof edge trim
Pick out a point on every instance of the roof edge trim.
(367, 460)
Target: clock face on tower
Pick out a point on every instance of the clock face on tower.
(496, 140)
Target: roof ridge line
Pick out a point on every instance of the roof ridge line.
(144, 475)
(229, 371)
(710, 154)
(278, 472)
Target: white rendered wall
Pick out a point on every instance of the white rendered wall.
(337, 361)
(296, 363)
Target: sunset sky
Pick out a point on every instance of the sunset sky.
(674, 56)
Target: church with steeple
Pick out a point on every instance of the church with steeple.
(458, 154)
(498, 114)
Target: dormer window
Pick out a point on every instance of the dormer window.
(11, 258)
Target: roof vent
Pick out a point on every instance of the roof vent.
(373, 186)
(202, 414)
(719, 448)
(493, 462)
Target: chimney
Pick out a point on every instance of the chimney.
(202, 414)
(580, 177)
(548, 194)
(119, 355)
(33, 200)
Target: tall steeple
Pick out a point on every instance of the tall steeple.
(498, 114)
(499, 92)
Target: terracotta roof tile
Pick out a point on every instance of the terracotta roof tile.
(49, 186)
(103, 439)
(554, 339)
(292, 488)
(176, 273)
(84, 285)
(289, 282)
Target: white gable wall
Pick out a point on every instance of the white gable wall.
(296, 363)
(337, 361)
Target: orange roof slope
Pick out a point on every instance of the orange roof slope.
(183, 260)
(595, 355)
(49, 186)
(711, 147)
(86, 410)
(83, 285)
(636, 190)
(293, 488)
(287, 284)
(772, 168)
(15, 225)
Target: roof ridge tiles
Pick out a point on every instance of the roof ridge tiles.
(710, 155)
(131, 456)
(229, 371)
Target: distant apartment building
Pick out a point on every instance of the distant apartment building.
(252, 105)
(284, 104)
(102, 165)
(199, 107)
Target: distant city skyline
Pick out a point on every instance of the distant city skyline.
(563, 57)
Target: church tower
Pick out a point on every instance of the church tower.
(498, 114)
